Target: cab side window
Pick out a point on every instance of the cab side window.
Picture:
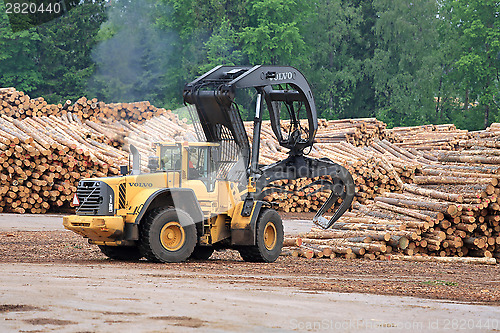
(201, 166)
(197, 166)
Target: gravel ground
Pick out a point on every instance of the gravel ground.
(477, 284)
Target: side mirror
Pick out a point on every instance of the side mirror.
(124, 169)
(153, 163)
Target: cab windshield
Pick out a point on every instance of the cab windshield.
(170, 158)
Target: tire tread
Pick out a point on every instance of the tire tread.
(254, 253)
(145, 245)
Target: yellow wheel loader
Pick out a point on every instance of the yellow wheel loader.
(203, 196)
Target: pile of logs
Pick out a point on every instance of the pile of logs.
(448, 207)
(358, 132)
(493, 128)
(42, 159)
(457, 220)
(120, 134)
(46, 149)
(429, 137)
(419, 221)
(350, 237)
(93, 110)
(18, 105)
(372, 172)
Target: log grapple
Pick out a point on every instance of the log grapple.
(287, 95)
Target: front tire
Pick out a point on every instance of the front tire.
(123, 253)
(269, 239)
(167, 235)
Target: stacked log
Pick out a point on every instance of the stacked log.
(429, 137)
(18, 105)
(463, 220)
(409, 224)
(447, 205)
(453, 214)
(352, 237)
(44, 155)
(371, 169)
(358, 132)
(494, 129)
(43, 158)
(93, 110)
(371, 178)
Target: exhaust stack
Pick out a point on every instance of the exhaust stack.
(136, 161)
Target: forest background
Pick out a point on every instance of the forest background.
(405, 63)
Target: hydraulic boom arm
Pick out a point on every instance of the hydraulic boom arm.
(286, 92)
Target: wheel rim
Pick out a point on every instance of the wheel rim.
(270, 236)
(172, 236)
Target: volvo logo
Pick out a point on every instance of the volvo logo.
(283, 76)
(140, 184)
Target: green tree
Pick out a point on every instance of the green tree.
(64, 51)
(207, 35)
(18, 61)
(476, 64)
(52, 59)
(450, 107)
(336, 56)
(221, 48)
(363, 103)
(405, 64)
(273, 36)
(190, 17)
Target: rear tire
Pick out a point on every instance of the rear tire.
(123, 253)
(167, 235)
(202, 252)
(268, 241)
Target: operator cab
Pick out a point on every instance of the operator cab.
(195, 161)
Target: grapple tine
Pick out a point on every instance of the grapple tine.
(343, 188)
(299, 166)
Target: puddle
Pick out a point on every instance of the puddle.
(17, 308)
(181, 321)
(49, 321)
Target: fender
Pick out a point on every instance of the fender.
(244, 229)
(182, 198)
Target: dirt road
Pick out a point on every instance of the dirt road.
(53, 281)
